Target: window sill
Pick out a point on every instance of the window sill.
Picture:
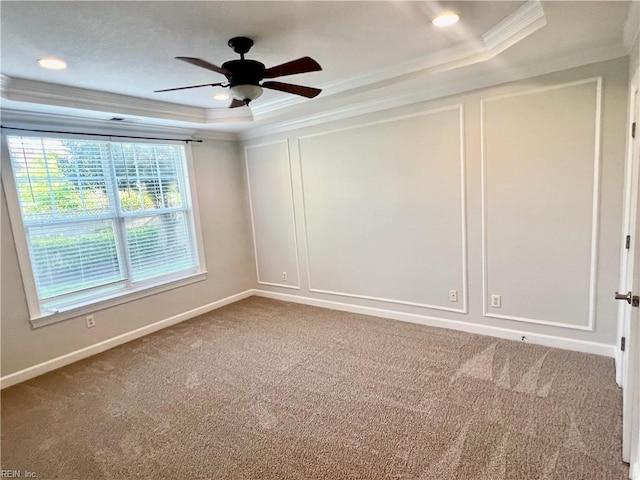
(116, 299)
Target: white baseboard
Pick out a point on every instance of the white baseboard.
(505, 333)
(538, 339)
(58, 362)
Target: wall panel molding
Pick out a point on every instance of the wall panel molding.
(463, 215)
(595, 211)
(293, 216)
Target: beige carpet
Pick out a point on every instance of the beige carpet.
(271, 390)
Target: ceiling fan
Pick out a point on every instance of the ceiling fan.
(245, 77)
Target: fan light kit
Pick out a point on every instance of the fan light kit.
(52, 63)
(245, 77)
(446, 19)
(246, 92)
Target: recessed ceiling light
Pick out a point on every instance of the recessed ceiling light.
(52, 63)
(221, 96)
(445, 19)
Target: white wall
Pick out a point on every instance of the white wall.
(221, 187)
(634, 57)
(517, 187)
(631, 35)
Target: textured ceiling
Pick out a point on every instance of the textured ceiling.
(127, 48)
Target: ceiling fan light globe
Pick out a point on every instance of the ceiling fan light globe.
(246, 92)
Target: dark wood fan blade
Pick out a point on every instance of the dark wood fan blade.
(236, 103)
(301, 65)
(192, 86)
(308, 92)
(198, 62)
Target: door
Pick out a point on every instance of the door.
(634, 319)
(629, 313)
(631, 423)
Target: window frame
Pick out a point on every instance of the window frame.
(37, 316)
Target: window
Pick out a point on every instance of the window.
(101, 219)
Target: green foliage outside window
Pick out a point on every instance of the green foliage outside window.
(63, 255)
(66, 184)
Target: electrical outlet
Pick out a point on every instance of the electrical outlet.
(453, 295)
(496, 301)
(91, 321)
(284, 276)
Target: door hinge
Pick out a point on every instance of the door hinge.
(633, 130)
(627, 242)
(623, 343)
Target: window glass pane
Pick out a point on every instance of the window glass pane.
(71, 257)
(59, 178)
(148, 176)
(159, 245)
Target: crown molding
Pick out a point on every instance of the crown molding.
(459, 82)
(76, 124)
(446, 57)
(46, 121)
(4, 82)
(524, 21)
(517, 26)
(631, 29)
(228, 115)
(31, 91)
(213, 135)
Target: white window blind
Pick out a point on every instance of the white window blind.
(102, 218)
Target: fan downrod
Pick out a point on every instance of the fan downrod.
(241, 45)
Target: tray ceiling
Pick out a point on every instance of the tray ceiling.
(118, 53)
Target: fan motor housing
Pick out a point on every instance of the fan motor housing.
(244, 72)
